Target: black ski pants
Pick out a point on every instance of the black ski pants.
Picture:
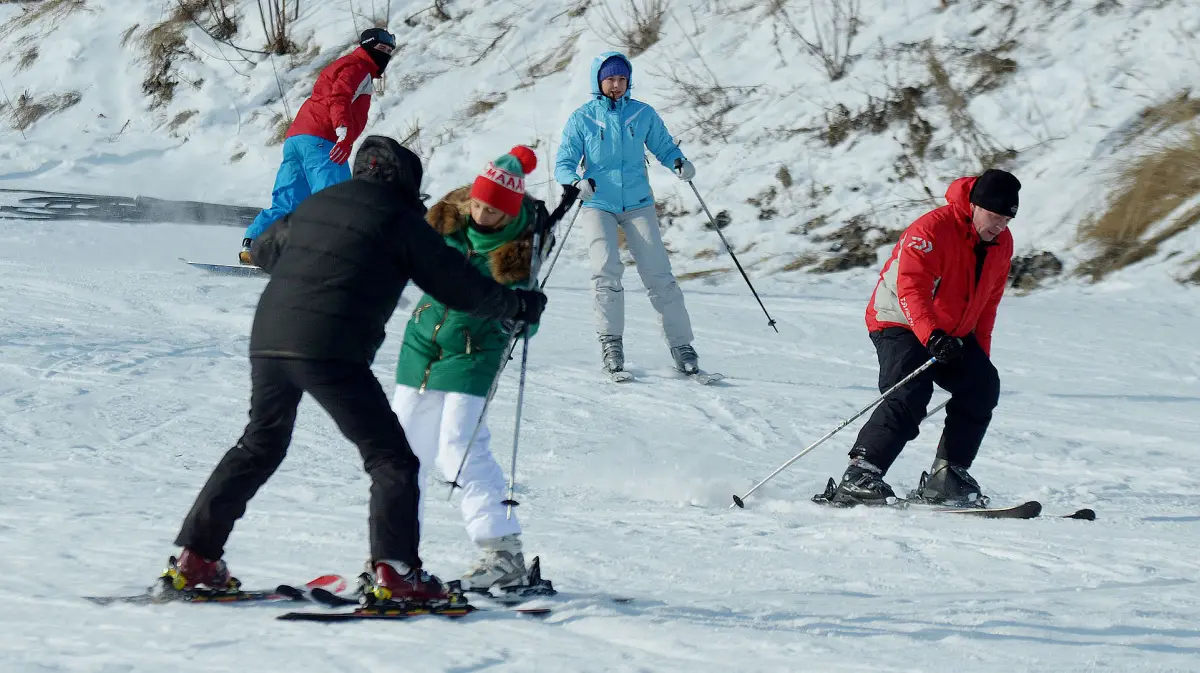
(971, 380)
(351, 394)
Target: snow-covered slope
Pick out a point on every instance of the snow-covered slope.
(125, 378)
(122, 387)
(928, 93)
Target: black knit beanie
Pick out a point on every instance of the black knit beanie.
(996, 190)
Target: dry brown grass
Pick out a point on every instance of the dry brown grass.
(181, 119)
(1152, 187)
(280, 123)
(554, 61)
(634, 25)
(27, 58)
(1161, 117)
(484, 104)
(27, 110)
(801, 262)
(693, 275)
(53, 11)
(162, 45)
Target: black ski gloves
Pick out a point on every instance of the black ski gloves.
(944, 347)
(533, 303)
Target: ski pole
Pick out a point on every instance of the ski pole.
(770, 320)
(512, 342)
(739, 502)
(561, 244)
(569, 195)
(935, 410)
(512, 473)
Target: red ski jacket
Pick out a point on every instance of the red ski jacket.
(941, 275)
(341, 97)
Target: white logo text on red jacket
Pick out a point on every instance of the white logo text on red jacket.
(921, 245)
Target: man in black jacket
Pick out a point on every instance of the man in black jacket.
(338, 265)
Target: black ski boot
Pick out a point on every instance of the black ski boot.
(950, 485)
(862, 484)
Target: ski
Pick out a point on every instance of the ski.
(163, 592)
(705, 378)
(1026, 510)
(242, 270)
(1031, 509)
(620, 376)
(381, 612)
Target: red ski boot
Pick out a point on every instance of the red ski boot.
(396, 582)
(192, 571)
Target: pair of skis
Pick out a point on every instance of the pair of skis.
(702, 377)
(1031, 509)
(334, 591)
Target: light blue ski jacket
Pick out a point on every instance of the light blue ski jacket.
(611, 137)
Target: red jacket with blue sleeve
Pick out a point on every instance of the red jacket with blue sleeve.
(340, 97)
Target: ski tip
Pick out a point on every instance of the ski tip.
(741, 504)
(1083, 515)
(331, 583)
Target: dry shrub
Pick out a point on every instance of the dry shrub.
(277, 17)
(27, 110)
(181, 119)
(484, 104)
(693, 275)
(279, 124)
(635, 25)
(163, 44)
(1152, 187)
(1165, 116)
(27, 58)
(553, 61)
(51, 11)
(986, 151)
(835, 25)
(801, 262)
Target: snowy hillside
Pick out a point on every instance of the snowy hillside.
(122, 387)
(816, 154)
(125, 377)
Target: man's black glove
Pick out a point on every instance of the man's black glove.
(532, 305)
(944, 347)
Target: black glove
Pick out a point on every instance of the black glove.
(585, 189)
(532, 305)
(570, 193)
(944, 347)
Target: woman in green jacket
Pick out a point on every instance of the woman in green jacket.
(449, 359)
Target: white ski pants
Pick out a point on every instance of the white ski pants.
(438, 426)
(644, 241)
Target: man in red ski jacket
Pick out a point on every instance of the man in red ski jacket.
(937, 296)
(319, 141)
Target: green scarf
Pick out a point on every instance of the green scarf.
(485, 242)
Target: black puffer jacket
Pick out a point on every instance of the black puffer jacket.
(339, 263)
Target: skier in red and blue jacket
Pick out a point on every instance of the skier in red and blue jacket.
(319, 141)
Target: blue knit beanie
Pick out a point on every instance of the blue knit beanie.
(613, 66)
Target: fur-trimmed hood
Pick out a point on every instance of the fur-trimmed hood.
(510, 262)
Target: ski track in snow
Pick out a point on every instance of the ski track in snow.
(125, 379)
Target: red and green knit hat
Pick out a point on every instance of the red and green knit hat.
(502, 184)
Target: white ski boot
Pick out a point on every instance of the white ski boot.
(501, 565)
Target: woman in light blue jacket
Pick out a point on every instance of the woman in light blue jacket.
(610, 135)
